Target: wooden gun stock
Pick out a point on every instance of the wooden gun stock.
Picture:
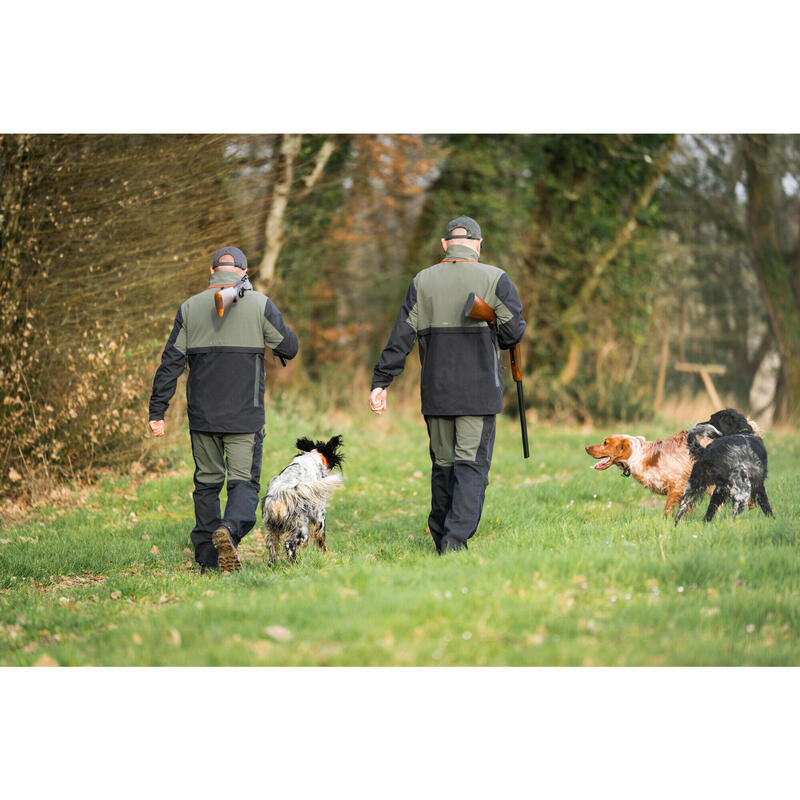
(477, 308)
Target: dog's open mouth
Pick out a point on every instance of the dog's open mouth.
(603, 463)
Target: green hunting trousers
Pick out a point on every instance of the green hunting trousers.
(461, 454)
(216, 454)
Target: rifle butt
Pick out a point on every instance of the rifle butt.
(477, 308)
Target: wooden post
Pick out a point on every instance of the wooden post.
(705, 371)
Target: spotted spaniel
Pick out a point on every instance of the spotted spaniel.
(294, 505)
(735, 463)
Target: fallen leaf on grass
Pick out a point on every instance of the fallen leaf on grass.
(175, 637)
(146, 537)
(46, 661)
(278, 632)
(116, 595)
(154, 549)
(578, 578)
(347, 592)
(136, 638)
(260, 647)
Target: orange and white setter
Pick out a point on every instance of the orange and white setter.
(662, 466)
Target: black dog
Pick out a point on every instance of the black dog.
(735, 463)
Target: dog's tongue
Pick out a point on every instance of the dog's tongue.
(603, 462)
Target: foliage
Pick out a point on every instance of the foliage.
(724, 296)
(97, 251)
(569, 566)
(101, 238)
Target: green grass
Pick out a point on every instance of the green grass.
(569, 567)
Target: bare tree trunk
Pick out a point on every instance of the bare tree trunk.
(775, 276)
(288, 149)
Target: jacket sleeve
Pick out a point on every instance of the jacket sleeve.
(404, 333)
(278, 336)
(510, 324)
(173, 362)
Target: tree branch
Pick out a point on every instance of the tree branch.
(624, 235)
(323, 156)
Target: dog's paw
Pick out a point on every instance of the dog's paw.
(291, 551)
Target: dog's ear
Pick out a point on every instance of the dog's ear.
(331, 451)
(305, 444)
(729, 420)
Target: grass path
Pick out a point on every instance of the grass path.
(569, 567)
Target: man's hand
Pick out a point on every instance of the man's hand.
(157, 426)
(377, 400)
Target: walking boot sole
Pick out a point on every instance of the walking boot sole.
(229, 559)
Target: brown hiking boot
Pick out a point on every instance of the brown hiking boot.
(228, 556)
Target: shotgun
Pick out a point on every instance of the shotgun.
(477, 308)
(226, 296)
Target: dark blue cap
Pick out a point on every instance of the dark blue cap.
(239, 258)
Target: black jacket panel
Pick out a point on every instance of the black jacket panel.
(173, 362)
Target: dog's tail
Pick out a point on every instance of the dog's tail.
(285, 503)
(705, 429)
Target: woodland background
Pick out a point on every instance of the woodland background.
(631, 252)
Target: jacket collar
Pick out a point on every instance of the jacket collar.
(223, 277)
(460, 251)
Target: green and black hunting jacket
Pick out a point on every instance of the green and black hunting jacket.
(461, 370)
(225, 387)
